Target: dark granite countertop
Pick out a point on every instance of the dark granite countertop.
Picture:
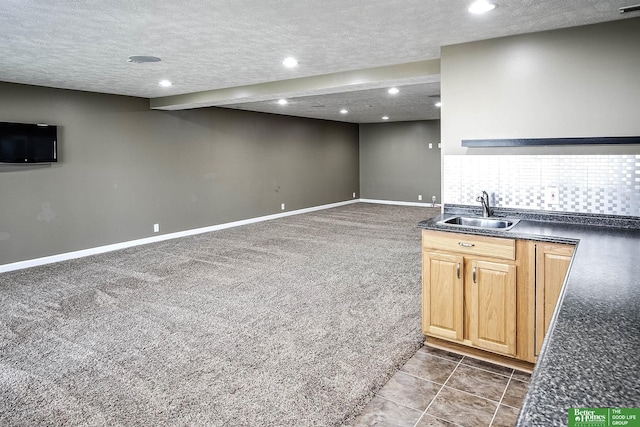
(591, 354)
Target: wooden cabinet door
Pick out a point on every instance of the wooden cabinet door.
(492, 323)
(442, 295)
(552, 264)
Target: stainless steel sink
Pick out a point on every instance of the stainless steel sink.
(480, 222)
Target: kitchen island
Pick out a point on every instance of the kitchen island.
(590, 357)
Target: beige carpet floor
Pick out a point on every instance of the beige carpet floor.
(290, 322)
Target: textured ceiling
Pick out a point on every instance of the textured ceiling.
(207, 45)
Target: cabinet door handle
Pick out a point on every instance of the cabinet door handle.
(458, 270)
(474, 275)
(466, 245)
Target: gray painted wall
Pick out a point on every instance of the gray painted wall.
(576, 82)
(124, 167)
(396, 162)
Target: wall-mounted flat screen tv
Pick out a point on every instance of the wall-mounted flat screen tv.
(28, 143)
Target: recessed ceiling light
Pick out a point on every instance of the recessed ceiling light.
(385, 117)
(394, 90)
(481, 6)
(290, 62)
(344, 111)
(438, 104)
(165, 83)
(283, 101)
(139, 59)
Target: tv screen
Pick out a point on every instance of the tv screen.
(28, 143)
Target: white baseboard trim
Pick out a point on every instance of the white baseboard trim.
(393, 202)
(123, 245)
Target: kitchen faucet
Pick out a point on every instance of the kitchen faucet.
(484, 199)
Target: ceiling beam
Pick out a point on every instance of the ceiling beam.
(371, 78)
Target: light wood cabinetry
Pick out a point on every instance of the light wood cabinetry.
(471, 291)
(492, 316)
(552, 264)
(442, 311)
(464, 244)
(488, 297)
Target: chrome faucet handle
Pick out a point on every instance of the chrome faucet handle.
(484, 200)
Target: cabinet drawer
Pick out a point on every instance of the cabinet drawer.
(493, 247)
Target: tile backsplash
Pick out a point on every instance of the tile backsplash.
(603, 184)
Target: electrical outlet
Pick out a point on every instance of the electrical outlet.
(282, 206)
(551, 196)
(354, 194)
(430, 146)
(419, 196)
(156, 228)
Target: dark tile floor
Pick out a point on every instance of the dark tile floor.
(437, 388)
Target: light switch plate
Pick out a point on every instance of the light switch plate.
(551, 196)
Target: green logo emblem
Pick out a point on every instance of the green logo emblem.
(604, 417)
